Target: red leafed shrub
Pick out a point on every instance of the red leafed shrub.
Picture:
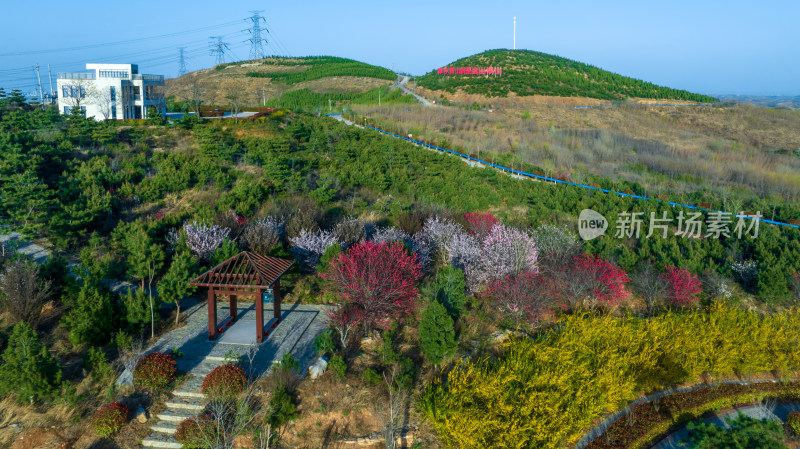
(109, 419)
(607, 282)
(480, 223)
(378, 278)
(683, 287)
(193, 433)
(524, 298)
(705, 205)
(595, 185)
(155, 371)
(224, 382)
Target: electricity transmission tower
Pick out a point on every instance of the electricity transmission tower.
(181, 61)
(256, 41)
(218, 48)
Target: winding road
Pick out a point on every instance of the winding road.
(402, 82)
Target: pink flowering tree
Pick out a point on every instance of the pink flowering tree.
(203, 239)
(309, 246)
(683, 288)
(480, 223)
(440, 232)
(507, 251)
(377, 278)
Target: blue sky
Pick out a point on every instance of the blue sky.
(713, 47)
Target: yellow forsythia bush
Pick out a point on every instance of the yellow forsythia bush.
(545, 393)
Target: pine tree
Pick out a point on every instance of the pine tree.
(29, 370)
(91, 319)
(174, 286)
(145, 260)
(436, 333)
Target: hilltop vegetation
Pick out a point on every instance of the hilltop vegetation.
(316, 67)
(306, 83)
(527, 72)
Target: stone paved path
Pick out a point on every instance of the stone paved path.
(295, 334)
(677, 439)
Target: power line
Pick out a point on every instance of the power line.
(256, 41)
(129, 41)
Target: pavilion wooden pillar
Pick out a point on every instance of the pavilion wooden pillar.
(260, 315)
(233, 308)
(212, 314)
(276, 301)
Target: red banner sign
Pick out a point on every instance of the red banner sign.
(470, 71)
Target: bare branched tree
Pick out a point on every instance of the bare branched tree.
(236, 97)
(396, 400)
(22, 292)
(129, 356)
(101, 97)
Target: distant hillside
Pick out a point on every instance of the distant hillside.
(769, 101)
(301, 83)
(528, 72)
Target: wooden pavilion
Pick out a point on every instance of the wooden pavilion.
(245, 274)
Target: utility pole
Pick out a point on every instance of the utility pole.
(181, 61)
(379, 96)
(50, 77)
(256, 41)
(264, 94)
(41, 94)
(515, 32)
(330, 107)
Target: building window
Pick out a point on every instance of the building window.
(67, 110)
(113, 93)
(114, 112)
(64, 91)
(113, 74)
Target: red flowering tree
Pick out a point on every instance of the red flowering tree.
(480, 223)
(376, 278)
(596, 280)
(683, 287)
(524, 298)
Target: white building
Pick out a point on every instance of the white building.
(111, 91)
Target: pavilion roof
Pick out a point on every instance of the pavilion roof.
(245, 269)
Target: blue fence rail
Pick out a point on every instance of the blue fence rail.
(560, 181)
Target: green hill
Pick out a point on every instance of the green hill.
(310, 83)
(527, 72)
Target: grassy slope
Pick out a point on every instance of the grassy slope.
(528, 72)
(306, 82)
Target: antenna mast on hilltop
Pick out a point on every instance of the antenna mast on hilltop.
(181, 61)
(218, 48)
(515, 32)
(256, 41)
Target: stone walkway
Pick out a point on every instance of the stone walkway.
(299, 326)
(677, 439)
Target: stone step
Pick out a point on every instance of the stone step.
(190, 388)
(175, 415)
(165, 427)
(188, 394)
(161, 440)
(186, 403)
